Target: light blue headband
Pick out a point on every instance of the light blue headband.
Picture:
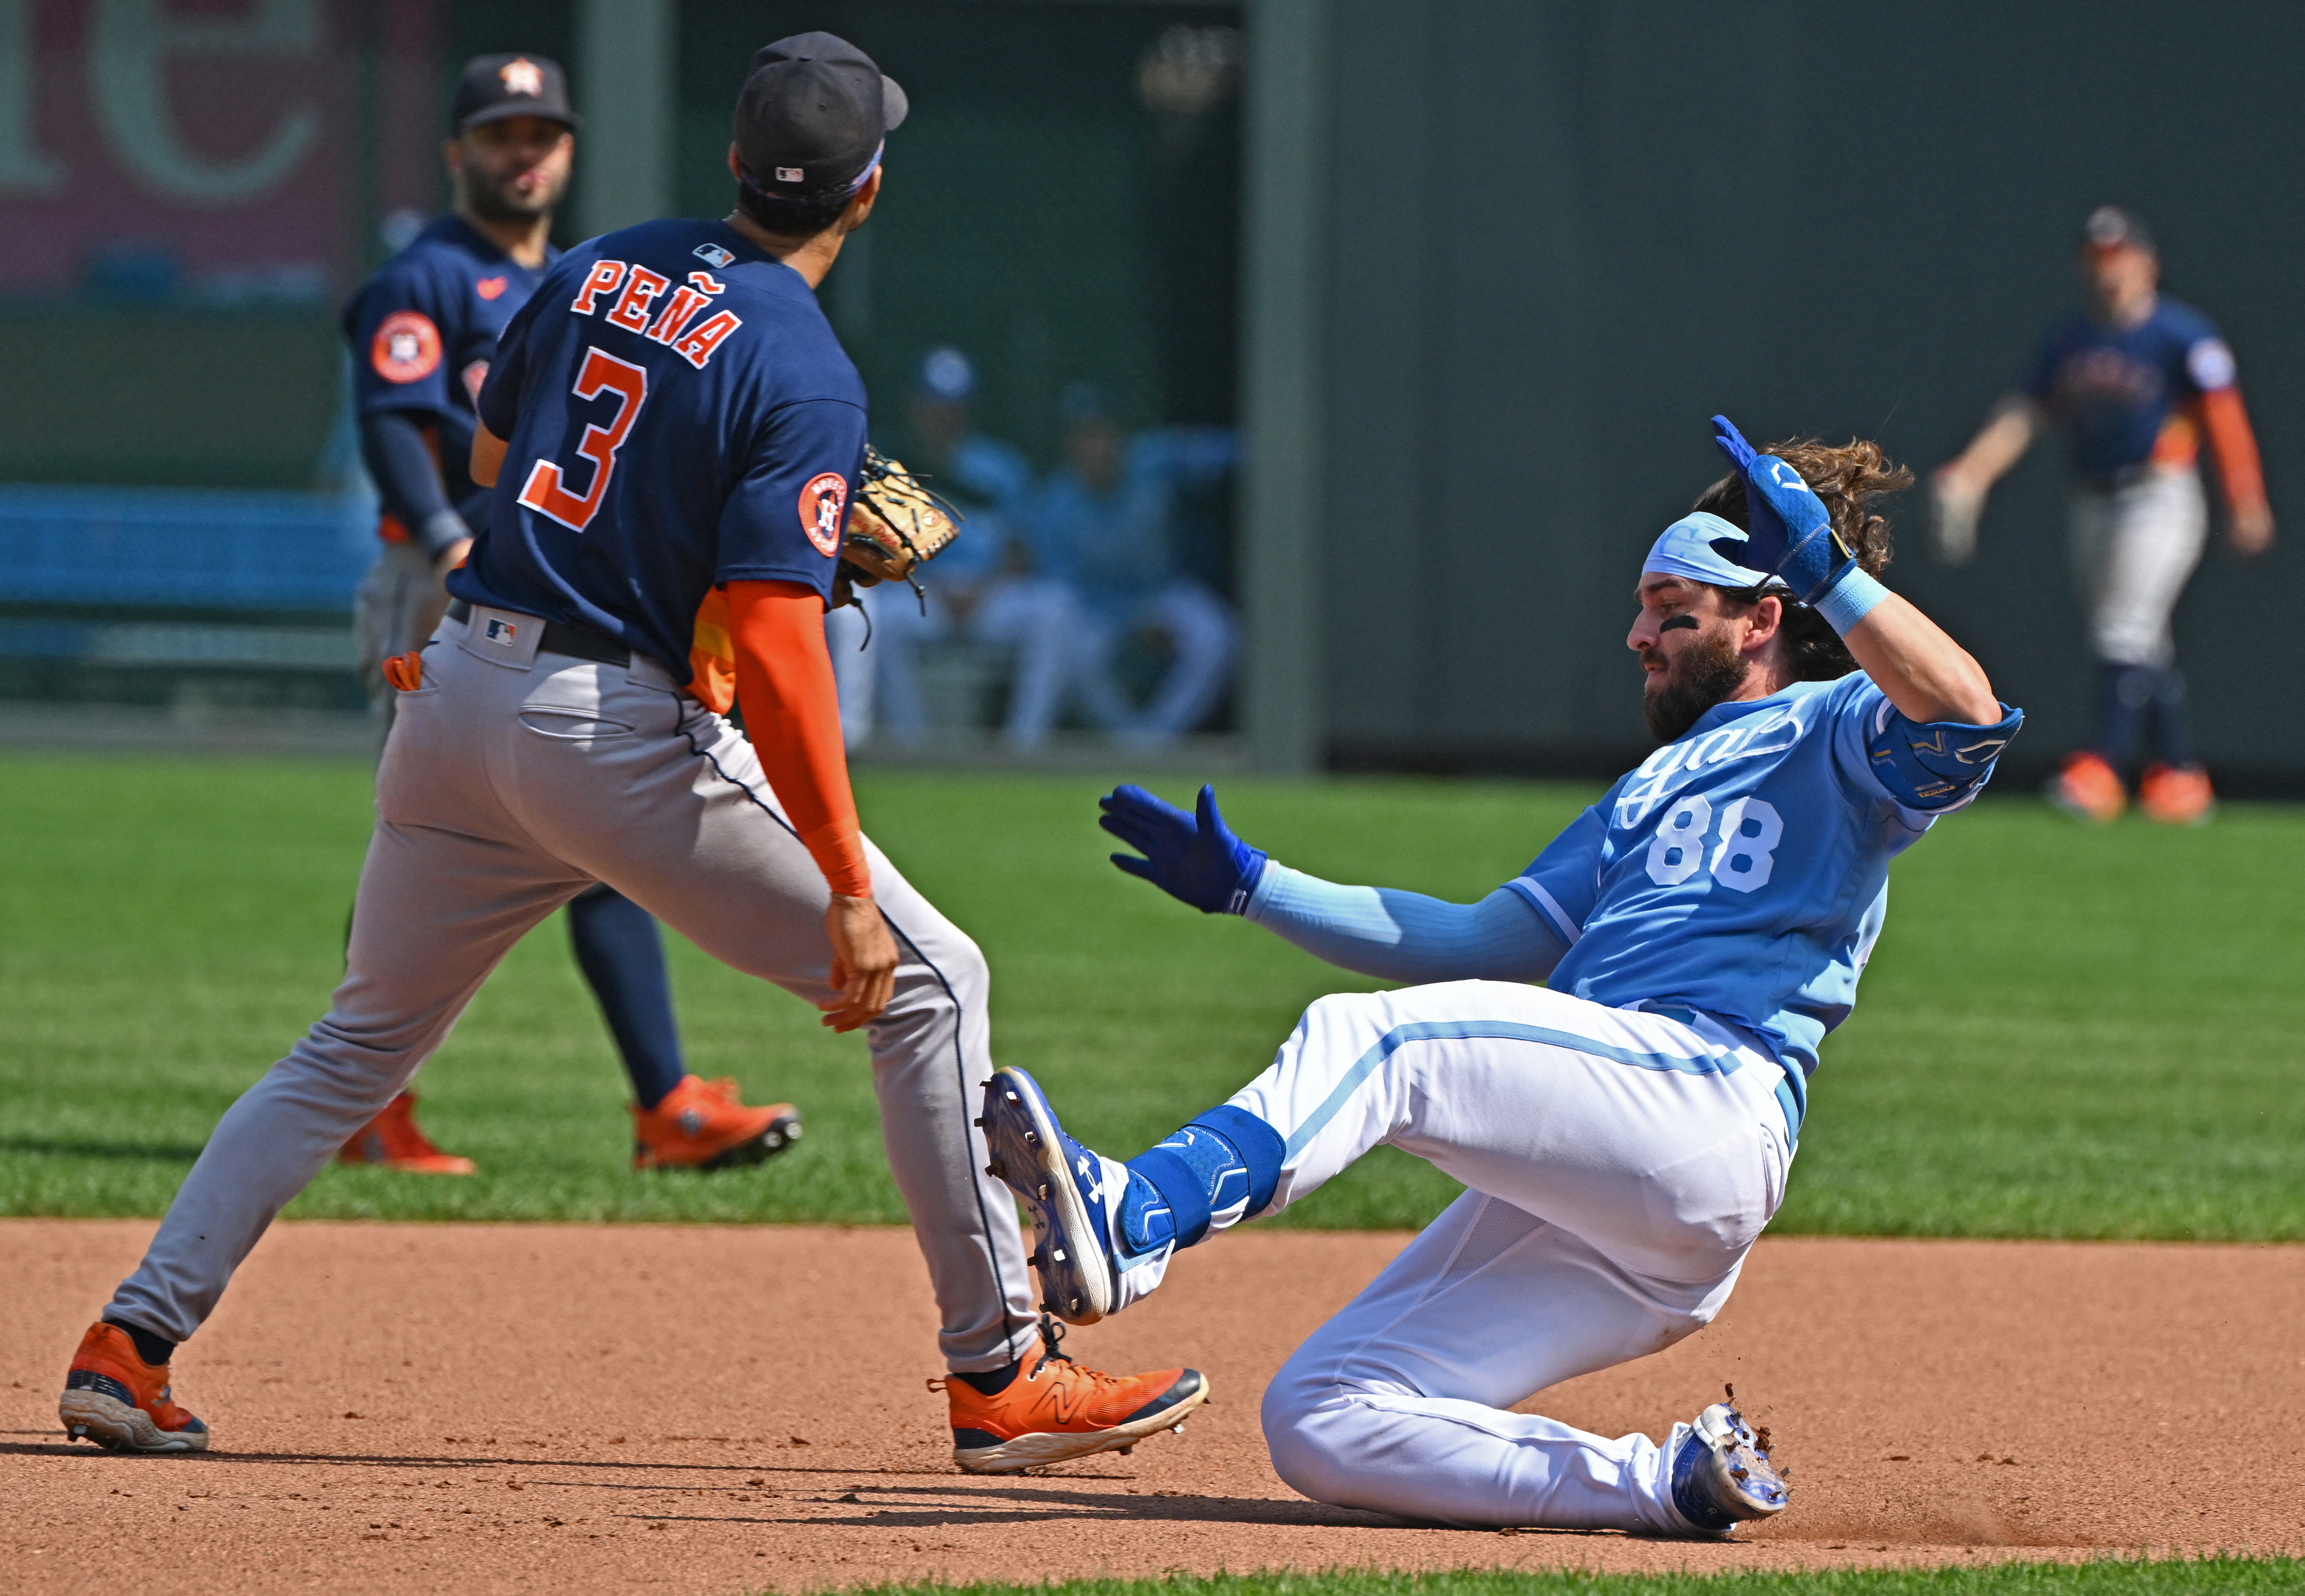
(1690, 548)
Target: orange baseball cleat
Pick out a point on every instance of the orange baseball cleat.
(2175, 796)
(2088, 787)
(1054, 1410)
(393, 1140)
(119, 1401)
(700, 1124)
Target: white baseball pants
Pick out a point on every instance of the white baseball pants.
(2133, 549)
(512, 781)
(1620, 1164)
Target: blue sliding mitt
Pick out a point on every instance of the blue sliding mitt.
(1193, 858)
(1792, 535)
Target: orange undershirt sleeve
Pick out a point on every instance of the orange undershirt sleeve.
(792, 713)
(2234, 448)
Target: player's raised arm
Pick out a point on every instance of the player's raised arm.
(1375, 931)
(1930, 678)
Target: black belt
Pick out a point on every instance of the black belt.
(578, 642)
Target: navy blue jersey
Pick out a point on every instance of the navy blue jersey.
(2126, 396)
(1741, 870)
(422, 330)
(679, 415)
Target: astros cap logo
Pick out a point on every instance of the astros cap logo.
(522, 76)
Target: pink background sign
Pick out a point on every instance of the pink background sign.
(213, 140)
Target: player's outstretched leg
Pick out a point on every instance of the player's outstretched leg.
(1105, 1229)
(1410, 1401)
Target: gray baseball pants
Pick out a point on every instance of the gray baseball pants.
(511, 782)
(2133, 549)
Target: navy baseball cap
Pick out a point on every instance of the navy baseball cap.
(2110, 227)
(497, 88)
(811, 116)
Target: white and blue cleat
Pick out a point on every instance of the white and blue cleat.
(1721, 1475)
(1073, 1194)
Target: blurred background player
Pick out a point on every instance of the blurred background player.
(422, 330)
(982, 588)
(1108, 524)
(2136, 382)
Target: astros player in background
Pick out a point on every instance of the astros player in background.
(2138, 382)
(1616, 1060)
(676, 434)
(422, 331)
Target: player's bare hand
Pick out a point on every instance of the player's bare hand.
(2252, 530)
(863, 962)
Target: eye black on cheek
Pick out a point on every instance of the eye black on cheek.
(1673, 622)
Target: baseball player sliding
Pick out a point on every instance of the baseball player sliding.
(2138, 382)
(1616, 1061)
(422, 331)
(673, 435)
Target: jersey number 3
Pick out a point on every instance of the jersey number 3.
(546, 490)
(1743, 855)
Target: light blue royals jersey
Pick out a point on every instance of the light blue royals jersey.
(1742, 870)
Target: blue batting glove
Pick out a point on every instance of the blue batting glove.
(1792, 535)
(1192, 858)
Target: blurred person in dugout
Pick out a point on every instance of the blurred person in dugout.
(1109, 524)
(980, 589)
(2138, 382)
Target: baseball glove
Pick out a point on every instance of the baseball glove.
(895, 524)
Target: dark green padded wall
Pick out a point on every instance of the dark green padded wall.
(1565, 233)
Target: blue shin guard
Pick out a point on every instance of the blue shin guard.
(1215, 1171)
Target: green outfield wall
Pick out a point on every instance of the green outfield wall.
(1553, 238)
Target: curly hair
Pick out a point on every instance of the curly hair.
(1848, 479)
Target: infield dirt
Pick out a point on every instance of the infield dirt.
(403, 1407)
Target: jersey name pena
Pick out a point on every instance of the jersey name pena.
(1742, 870)
(677, 416)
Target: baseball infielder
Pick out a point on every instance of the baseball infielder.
(422, 330)
(1616, 1062)
(2138, 382)
(675, 433)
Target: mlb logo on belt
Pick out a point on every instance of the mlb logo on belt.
(501, 632)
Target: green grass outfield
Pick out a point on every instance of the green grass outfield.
(2108, 1577)
(2065, 1032)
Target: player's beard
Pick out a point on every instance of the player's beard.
(492, 202)
(1708, 670)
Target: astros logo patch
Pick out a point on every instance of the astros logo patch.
(822, 503)
(522, 76)
(407, 347)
